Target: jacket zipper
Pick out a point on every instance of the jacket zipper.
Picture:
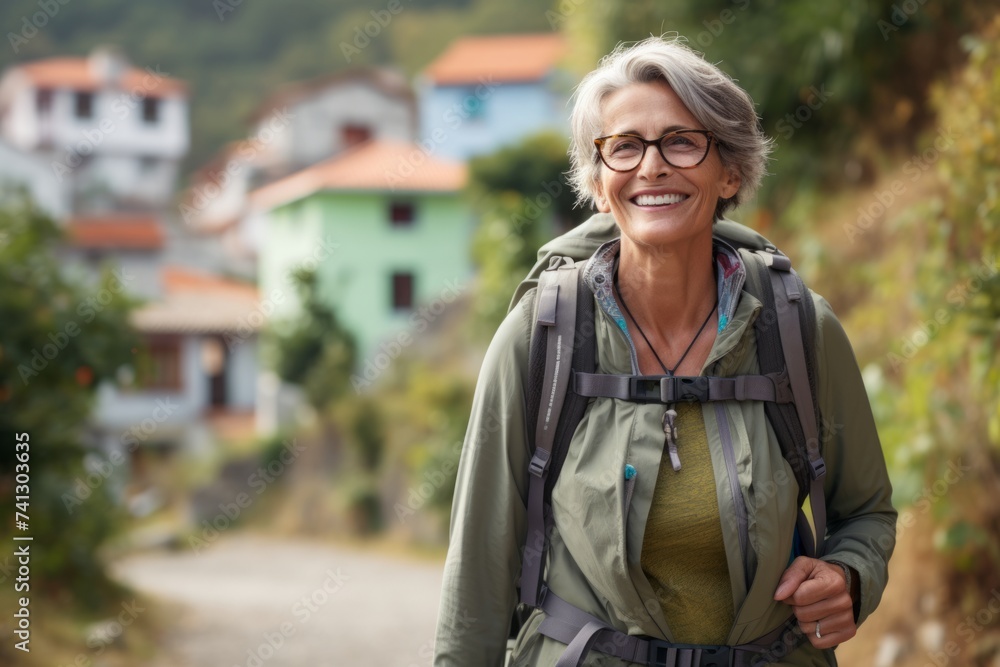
(629, 488)
(734, 483)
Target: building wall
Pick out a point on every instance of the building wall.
(139, 272)
(145, 181)
(115, 126)
(155, 416)
(463, 121)
(219, 202)
(114, 153)
(350, 239)
(312, 130)
(241, 377)
(119, 411)
(21, 173)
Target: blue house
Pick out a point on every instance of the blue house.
(486, 92)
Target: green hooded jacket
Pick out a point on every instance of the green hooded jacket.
(594, 552)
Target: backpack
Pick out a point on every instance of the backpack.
(562, 380)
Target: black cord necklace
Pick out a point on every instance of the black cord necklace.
(670, 415)
(668, 371)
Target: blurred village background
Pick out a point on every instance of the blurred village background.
(251, 255)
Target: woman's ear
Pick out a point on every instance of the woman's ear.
(732, 183)
(600, 201)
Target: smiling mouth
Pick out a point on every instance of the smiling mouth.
(658, 200)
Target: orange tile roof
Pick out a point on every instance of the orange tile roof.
(138, 232)
(77, 74)
(178, 279)
(504, 58)
(197, 302)
(375, 165)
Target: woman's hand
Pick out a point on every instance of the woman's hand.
(817, 593)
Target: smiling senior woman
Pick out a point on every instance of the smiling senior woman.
(657, 571)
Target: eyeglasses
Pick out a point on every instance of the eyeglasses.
(682, 149)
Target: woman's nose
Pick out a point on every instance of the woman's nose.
(652, 164)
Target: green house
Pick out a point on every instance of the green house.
(388, 232)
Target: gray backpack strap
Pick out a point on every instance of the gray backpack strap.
(677, 388)
(788, 292)
(583, 633)
(556, 311)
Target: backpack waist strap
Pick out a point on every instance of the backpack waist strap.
(582, 633)
(773, 388)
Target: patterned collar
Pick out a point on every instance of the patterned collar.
(730, 276)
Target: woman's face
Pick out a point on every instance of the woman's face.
(651, 110)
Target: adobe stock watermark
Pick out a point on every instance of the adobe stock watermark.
(716, 26)
(972, 625)
(425, 652)
(478, 433)
(931, 494)
(303, 609)
(914, 168)
(205, 193)
(419, 321)
(58, 340)
(257, 317)
(253, 321)
(103, 635)
(453, 118)
(534, 208)
(804, 112)
(223, 7)
(900, 15)
(363, 35)
(259, 481)
(417, 496)
(30, 28)
(124, 105)
(100, 470)
(958, 296)
(556, 17)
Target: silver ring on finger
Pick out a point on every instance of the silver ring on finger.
(818, 635)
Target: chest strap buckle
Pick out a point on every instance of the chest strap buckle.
(665, 654)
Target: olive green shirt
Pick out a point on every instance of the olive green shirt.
(683, 554)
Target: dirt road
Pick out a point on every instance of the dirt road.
(254, 602)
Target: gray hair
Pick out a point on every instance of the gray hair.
(708, 93)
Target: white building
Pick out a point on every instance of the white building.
(199, 382)
(23, 174)
(300, 125)
(113, 133)
(314, 120)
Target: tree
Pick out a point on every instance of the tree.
(315, 351)
(59, 340)
(523, 199)
(945, 374)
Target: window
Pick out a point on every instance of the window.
(43, 101)
(473, 104)
(402, 291)
(150, 110)
(148, 164)
(401, 214)
(162, 369)
(352, 135)
(84, 105)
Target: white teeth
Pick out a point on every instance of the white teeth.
(658, 200)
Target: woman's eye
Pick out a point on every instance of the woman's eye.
(625, 145)
(677, 142)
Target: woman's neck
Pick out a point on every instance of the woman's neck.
(669, 291)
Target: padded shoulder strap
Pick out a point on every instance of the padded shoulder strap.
(555, 324)
(786, 331)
